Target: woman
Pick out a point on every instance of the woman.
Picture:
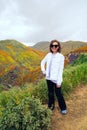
(52, 66)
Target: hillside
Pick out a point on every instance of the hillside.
(80, 49)
(66, 47)
(21, 54)
(18, 63)
(73, 55)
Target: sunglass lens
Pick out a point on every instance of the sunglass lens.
(54, 46)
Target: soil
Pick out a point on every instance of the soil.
(76, 117)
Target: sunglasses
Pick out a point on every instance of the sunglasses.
(54, 46)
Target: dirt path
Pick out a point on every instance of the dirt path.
(76, 118)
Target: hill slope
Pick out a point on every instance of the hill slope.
(80, 49)
(17, 61)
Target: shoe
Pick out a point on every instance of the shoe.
(63, 112)
(52, 107)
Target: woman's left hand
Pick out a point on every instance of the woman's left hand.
(58, 86)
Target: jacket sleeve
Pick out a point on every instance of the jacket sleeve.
(43, 63)
(60, 73)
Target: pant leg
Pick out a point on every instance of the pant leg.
(60, 98)
(51, 100)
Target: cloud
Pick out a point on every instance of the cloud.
(11, 24)
(32, 21)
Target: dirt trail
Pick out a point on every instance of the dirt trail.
(76, 118)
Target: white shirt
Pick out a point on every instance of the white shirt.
(54, 67)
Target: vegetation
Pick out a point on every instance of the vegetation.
(26, 114)
(21, 108)
(20, 64)
(74, 76)
(81, 59)
(81, 49)
(17, 62)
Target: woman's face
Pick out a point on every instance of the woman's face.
(54, 47)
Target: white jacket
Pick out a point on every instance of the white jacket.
(52, 65)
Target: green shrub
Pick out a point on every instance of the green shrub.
(40, 91)
(1, 87)
(30, 114)
(74, 76)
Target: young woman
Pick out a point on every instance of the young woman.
(52, 66)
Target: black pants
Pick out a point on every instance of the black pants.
(51, 89)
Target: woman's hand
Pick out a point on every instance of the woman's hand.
(58, 86)
(42, 75)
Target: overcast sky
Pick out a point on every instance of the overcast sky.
(31, 21)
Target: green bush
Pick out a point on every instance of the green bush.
(40, 91)
(1, 87)
(20, 111)
(30, 114)
(74, 76)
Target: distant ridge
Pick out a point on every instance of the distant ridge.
(43, 46)
(66, 47)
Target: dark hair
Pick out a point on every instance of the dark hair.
(59, 48)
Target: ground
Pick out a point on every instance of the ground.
(76, 117)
